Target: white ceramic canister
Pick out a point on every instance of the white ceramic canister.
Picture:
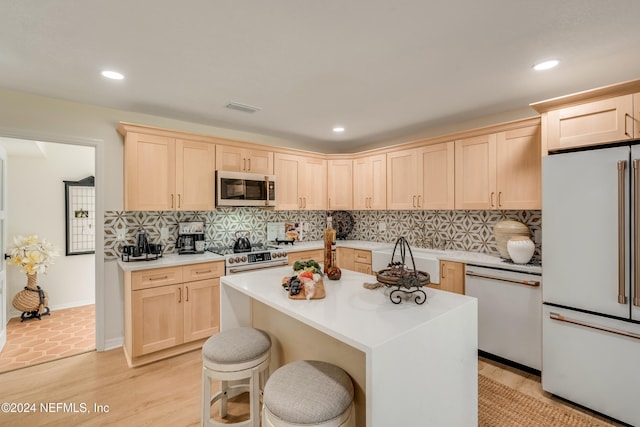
(521, 249)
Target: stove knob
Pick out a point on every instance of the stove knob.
(231, 261)
(243, 259)
(283, 254)
(275, 255)
(237, 259)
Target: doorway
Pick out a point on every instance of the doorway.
(36, 206)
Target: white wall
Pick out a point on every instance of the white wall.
(36, 205)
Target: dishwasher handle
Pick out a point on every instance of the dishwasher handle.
(504, 279)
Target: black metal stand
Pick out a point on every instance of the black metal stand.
(395, 296)
(28, 315)
(35, 314)
(409, 283)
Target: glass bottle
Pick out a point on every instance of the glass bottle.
(329, 242)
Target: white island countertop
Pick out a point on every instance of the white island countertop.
(420, 360)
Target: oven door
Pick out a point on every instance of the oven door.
(257, 266)
(245, 189)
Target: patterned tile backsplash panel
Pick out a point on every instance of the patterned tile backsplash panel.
(453, 229)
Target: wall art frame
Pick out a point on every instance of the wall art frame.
(80, 214)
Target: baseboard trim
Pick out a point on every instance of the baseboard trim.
(112, 343)
(14, 313)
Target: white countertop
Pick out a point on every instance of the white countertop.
(169, 260)
(475, 258)
(319, 244)
(360, 317)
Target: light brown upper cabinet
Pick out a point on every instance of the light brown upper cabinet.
(402, 180)
(421, 178)
(499, 170)
(165, 173)
(238, 159)
(370, 182)
(597, 122)
(301, 182)
(437, 165)
(340, 184)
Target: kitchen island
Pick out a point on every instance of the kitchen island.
(411, 364)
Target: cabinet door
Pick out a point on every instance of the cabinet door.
(361, 183)
(378, 179)
(346, 258)
(592, 123)
(402, 180)
(362, 268)
(314, 178)
(437, 166)
(149, 172)
(339, 184)
(259, 161)
(519, 169)
(201, 309)
(475, 173)
(452, 276)
(158, 315)
(195, 169)
(230, 158)
(287, 182)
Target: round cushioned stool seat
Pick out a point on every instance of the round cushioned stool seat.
(236, 346)
(308, 392)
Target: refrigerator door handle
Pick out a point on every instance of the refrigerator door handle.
(561, 318)
(622, 165)
(636, 233)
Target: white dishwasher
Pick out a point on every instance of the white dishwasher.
(509, 313)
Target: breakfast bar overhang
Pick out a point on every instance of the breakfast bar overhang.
(411, 364)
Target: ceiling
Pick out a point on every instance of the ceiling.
(381, 69)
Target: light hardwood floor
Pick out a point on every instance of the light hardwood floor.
(165, 393)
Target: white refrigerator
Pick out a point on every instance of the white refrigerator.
(591, 271)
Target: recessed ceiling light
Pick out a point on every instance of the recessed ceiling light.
(338, 129)
(113, 75)
(546, 65)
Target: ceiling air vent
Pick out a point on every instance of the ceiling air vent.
(242, 107)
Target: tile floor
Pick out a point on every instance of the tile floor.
(61, 334)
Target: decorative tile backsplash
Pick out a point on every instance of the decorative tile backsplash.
(453, 229)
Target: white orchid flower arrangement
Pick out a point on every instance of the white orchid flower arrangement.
(31, 255)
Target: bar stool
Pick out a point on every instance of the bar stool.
(236, 355)
(308, 392)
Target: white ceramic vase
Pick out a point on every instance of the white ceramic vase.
(521, 249)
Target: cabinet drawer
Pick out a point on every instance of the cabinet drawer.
(316, 255)
(145, 279)
(362, 256)
(206, 270)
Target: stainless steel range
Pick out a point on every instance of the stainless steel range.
(260, 256)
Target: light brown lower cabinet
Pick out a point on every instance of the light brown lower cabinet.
(314, 254)
(170, 310)
(354, 259)
(452, 276)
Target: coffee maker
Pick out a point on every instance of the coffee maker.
(190, 238)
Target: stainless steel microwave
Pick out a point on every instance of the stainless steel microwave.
(245, 189)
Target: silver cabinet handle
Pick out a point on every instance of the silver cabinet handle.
(419, 200)
(622, 298)
(187, 289)
(249, 163)
(504, 279)
(244, 164)
(179, 294)
(561, 318)
(627, 116)
(171, 200)
(491, 198)
(414, 201)
(500, 199)
(179, 200)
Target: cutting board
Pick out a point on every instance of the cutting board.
(319, 294)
